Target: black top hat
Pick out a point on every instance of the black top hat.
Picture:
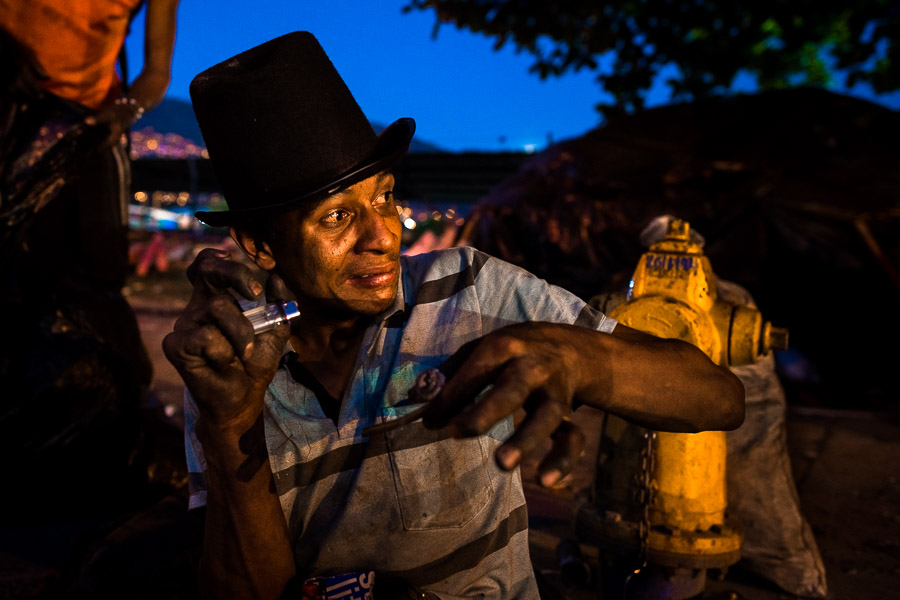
(281, 127)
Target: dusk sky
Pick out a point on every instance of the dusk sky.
(462, 94)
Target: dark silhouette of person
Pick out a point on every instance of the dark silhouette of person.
(74, 371)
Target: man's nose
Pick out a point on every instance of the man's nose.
(375, 235)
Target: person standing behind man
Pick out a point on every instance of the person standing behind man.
(77, 44)
(67, 268)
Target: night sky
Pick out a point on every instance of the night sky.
(463, 94)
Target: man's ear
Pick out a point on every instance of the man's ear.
(258, 251)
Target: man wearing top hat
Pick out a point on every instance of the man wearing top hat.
(293, 487)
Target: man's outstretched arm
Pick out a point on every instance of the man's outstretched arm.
(543, 368)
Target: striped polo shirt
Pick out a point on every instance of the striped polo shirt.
(409, 503)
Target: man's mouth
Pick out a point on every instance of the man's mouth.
(374, 278)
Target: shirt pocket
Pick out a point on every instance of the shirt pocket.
(441, 482)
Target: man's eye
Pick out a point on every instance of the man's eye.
(335, 217)
(384, 199)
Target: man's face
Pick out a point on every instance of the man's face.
(341, 257)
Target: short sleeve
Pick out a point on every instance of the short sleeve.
(511, 294)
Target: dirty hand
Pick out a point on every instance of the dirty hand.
(531, 366)
(225, 366)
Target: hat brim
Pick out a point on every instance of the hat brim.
(392, 144)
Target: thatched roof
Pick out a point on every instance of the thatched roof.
(797, 193)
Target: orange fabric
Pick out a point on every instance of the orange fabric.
(76, 41)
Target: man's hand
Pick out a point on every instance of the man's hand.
(247, 552)
(661, 384)
(225, 366)
(531, 366)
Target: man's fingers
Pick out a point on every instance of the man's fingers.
(523, 372)
(213, 271)
(201, 346)
(276, 289)
(469, 371)
(518, 380)
(450, 366)
(225, 315)
(543, 417)
(568, 447)
(195, 270)
(217, 330)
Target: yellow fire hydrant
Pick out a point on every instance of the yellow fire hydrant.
(661, 496)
